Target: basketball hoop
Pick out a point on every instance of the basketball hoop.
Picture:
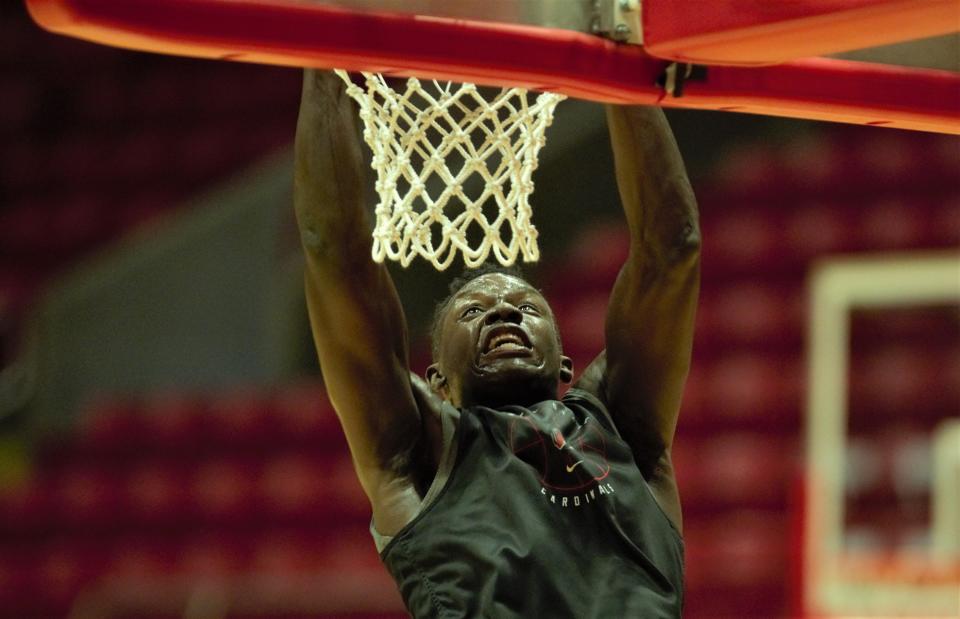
(454, 169)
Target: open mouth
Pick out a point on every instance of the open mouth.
(504, 342)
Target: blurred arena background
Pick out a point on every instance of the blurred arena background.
(166, 449)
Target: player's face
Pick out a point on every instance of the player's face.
(499, 345)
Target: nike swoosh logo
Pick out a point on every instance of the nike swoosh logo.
(570, 467)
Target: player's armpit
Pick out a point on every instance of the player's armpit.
(657, 462)
(431, 410)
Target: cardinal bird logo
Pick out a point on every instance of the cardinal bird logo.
(569, 456)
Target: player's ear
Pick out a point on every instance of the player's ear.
(437, 381)
(566, 369)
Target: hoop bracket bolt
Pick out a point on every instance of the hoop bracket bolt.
(619, 20)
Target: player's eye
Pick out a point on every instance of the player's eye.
(528, 307)
(470, 311)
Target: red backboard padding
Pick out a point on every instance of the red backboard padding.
(758, 32)
(287, 32)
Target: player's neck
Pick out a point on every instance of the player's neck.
(498, 398)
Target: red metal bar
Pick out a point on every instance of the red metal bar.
(287, 32)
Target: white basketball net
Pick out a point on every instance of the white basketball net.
(453, 170)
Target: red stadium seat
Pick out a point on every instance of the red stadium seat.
(892, 224)
(211, 557)
(815, 228)
(887, 382)
(297, 485)
(749, 168)
(29, 507)
(174, 421)
(89, 496)
(693, 408)
(754, 389)
(352, 550)
(736, 565)
(224, 489)
(303, 414)
(582, 323)
(740, 240)
(594, 262)
(755, 315)
(157, 493)
(140, 558)
(239, 418)
(729, 470)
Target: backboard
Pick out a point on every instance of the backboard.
(844, 581)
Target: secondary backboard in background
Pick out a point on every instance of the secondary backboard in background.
(546, 46)
(838, 582)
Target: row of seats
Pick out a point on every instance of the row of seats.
(744, 241)
(66, 580)
(743, 390)
(299, 416)
(844, 162)
(284, 509)
(765, 318)
(232, 492)
(142, 466)
(735, 387)
(108, 162)
(224, 492)
(735, 547)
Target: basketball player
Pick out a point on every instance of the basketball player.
(490, 497)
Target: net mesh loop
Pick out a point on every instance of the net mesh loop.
(454, 169)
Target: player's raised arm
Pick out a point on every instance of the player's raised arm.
(649, 330)
(356, 316)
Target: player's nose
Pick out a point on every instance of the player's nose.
(503, 312)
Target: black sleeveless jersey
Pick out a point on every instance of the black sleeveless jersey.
(544, 514)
